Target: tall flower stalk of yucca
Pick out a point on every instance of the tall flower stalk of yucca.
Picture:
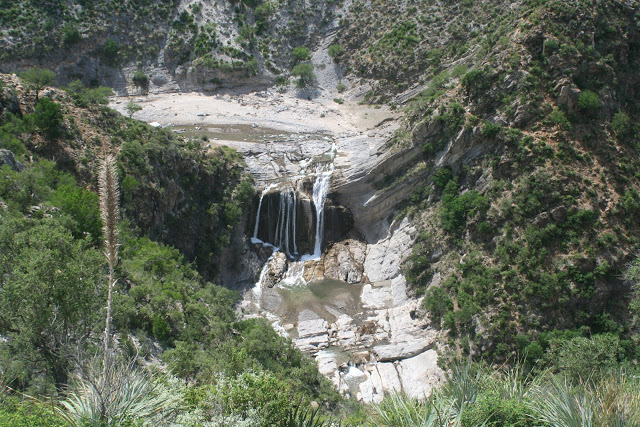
(110, 210)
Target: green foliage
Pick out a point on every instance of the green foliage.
(259, 392)
(305, 72)
(457, 208)
(558, 118)
(589, 102)
(301, 54)
(132, 108)
(37, 78)
(623, 127)
(475, 80)
(48, 117)
(110, 50)
(15, 412)
(437, 302)
(580, 357)
(70, 35)
(85, 97)
(61, 278)
(335, 50)
(140, 79)
(491, 130)
(82, 207)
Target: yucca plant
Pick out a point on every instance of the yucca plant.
(462, 386)
(611, 400)
(401, 410)
(118, 393)
(110, 211)
(305, 417)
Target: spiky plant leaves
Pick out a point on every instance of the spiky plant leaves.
(117, 394)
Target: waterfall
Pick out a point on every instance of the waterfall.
(255, 239)
(320, 190)
(282, 220)
(257, 289)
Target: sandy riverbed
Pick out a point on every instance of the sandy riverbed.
(269, 109)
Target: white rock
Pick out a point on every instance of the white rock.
(389, 377)
(375, 297)
(312, 327)
(420, 374)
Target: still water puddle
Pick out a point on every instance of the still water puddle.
(327, 298)
(241, 133)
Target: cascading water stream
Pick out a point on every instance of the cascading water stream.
(284, 236)
(255, 239)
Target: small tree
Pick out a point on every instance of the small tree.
(48, 117)
(140, 79)
(110, 49)
(37, 78)
(589, 102)
(305, 72)
(301, 54)
(133, 108)
(335, 50)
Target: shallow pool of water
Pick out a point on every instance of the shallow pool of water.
(327, 298)
(241, 132)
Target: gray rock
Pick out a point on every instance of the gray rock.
(8, 158)
(277, 268)
(344, 261)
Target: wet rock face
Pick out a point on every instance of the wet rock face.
(284, 217)
(345, 261)
(338, 222)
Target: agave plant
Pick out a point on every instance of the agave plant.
(118, 393)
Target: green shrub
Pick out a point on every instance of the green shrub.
(622, 126)
(110, 50)
(82, 206)
(335, 50)
(70, 35)
(340, 87)
(589, 102)
(301, 54)
(491, 130)
(48, 117)
(25, 413)
(580, 357)
(438, 302)
(305, 72)
(140, 79)
(557, 117)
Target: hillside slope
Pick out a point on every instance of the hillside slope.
(524, 119)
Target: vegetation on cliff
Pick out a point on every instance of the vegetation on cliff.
(53, 277)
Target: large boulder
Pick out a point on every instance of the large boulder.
(345, 261)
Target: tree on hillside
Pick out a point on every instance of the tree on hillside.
(305, 72)
(49, 303)
(133, 108)
(37, 78)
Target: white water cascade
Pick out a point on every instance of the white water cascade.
(320, 190)
(283, 236)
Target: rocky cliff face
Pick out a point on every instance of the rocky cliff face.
(177, 45)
